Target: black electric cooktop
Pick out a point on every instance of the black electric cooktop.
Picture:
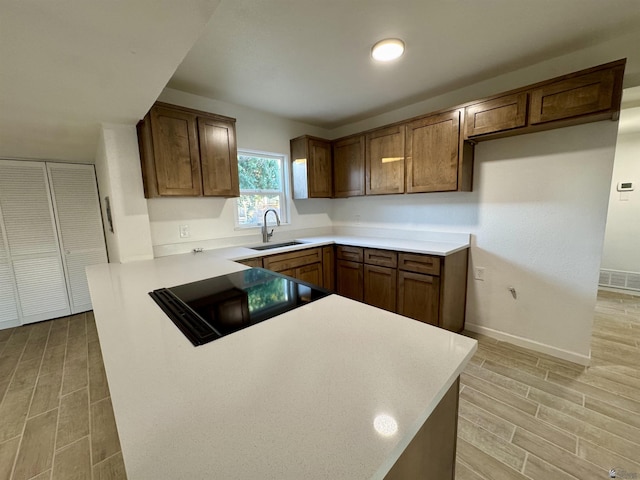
(209, 309)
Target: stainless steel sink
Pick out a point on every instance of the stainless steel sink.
(269, 246)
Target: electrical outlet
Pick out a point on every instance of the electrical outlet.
(478, 273)
(357, 219)
(184, 231)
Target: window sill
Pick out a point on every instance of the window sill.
(259, 227)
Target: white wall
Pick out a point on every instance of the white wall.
(211, 220)
(120, 178)
(621, 250)
(537, 217)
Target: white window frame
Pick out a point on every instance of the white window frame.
(284, 194)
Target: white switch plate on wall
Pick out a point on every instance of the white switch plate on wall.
(478, 273)
(184, 231)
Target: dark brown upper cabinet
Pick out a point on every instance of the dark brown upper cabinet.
(496, 115)
(311, 169)
(581, 97)
(434, 152)
(432, 147)
(384, 154)
(218, 157)
(187, 153)
(348, 167)
(573, 97)
(174, 158)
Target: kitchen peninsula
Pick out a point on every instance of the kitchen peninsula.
(333, 389)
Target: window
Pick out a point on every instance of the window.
(262, 186)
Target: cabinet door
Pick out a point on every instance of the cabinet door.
(218, 157)
(8, 295)
(33, 252)
(320, 172)
(348, 167)
(384, 154)
(349, 279)
(310, 274)
(176, 154)
(290, 272)
(311, 171)
(572, 97)
(77, 210)
(329, 268)
(496, 115)
(380, 287)
(419, 296)
(432, 153)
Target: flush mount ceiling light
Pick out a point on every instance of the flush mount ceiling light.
(387, 49)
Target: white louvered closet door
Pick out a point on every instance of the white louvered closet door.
(8, 303)
(77, 209)
(33, 251)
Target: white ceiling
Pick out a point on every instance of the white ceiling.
(309, 59)
(68, 65)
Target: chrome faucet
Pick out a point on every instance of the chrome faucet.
(265, 234)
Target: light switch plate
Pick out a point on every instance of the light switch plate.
(184, 231)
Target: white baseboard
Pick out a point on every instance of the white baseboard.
(619, 290)
(9, 324)
(531, 344)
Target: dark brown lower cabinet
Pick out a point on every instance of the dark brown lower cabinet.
(380, 287)
(428, 288)
(305, 265)
(251, 262)
(329, 267)
(310, 273)
(419, 296)
(349, 279)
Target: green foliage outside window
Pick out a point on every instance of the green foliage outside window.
(261, 188)
(258, 173)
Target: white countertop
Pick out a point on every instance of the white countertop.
(293, 397)
(410, 246)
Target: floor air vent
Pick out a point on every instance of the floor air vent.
(617, 279)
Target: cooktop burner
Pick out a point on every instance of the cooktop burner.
(209, 309)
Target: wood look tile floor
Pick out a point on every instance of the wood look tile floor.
(523, 415)
(526, 415)
(56, 419)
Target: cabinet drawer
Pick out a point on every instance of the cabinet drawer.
(353, 254)
(419, 263)
(286, 261)
(496, 115)
(383, 258)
